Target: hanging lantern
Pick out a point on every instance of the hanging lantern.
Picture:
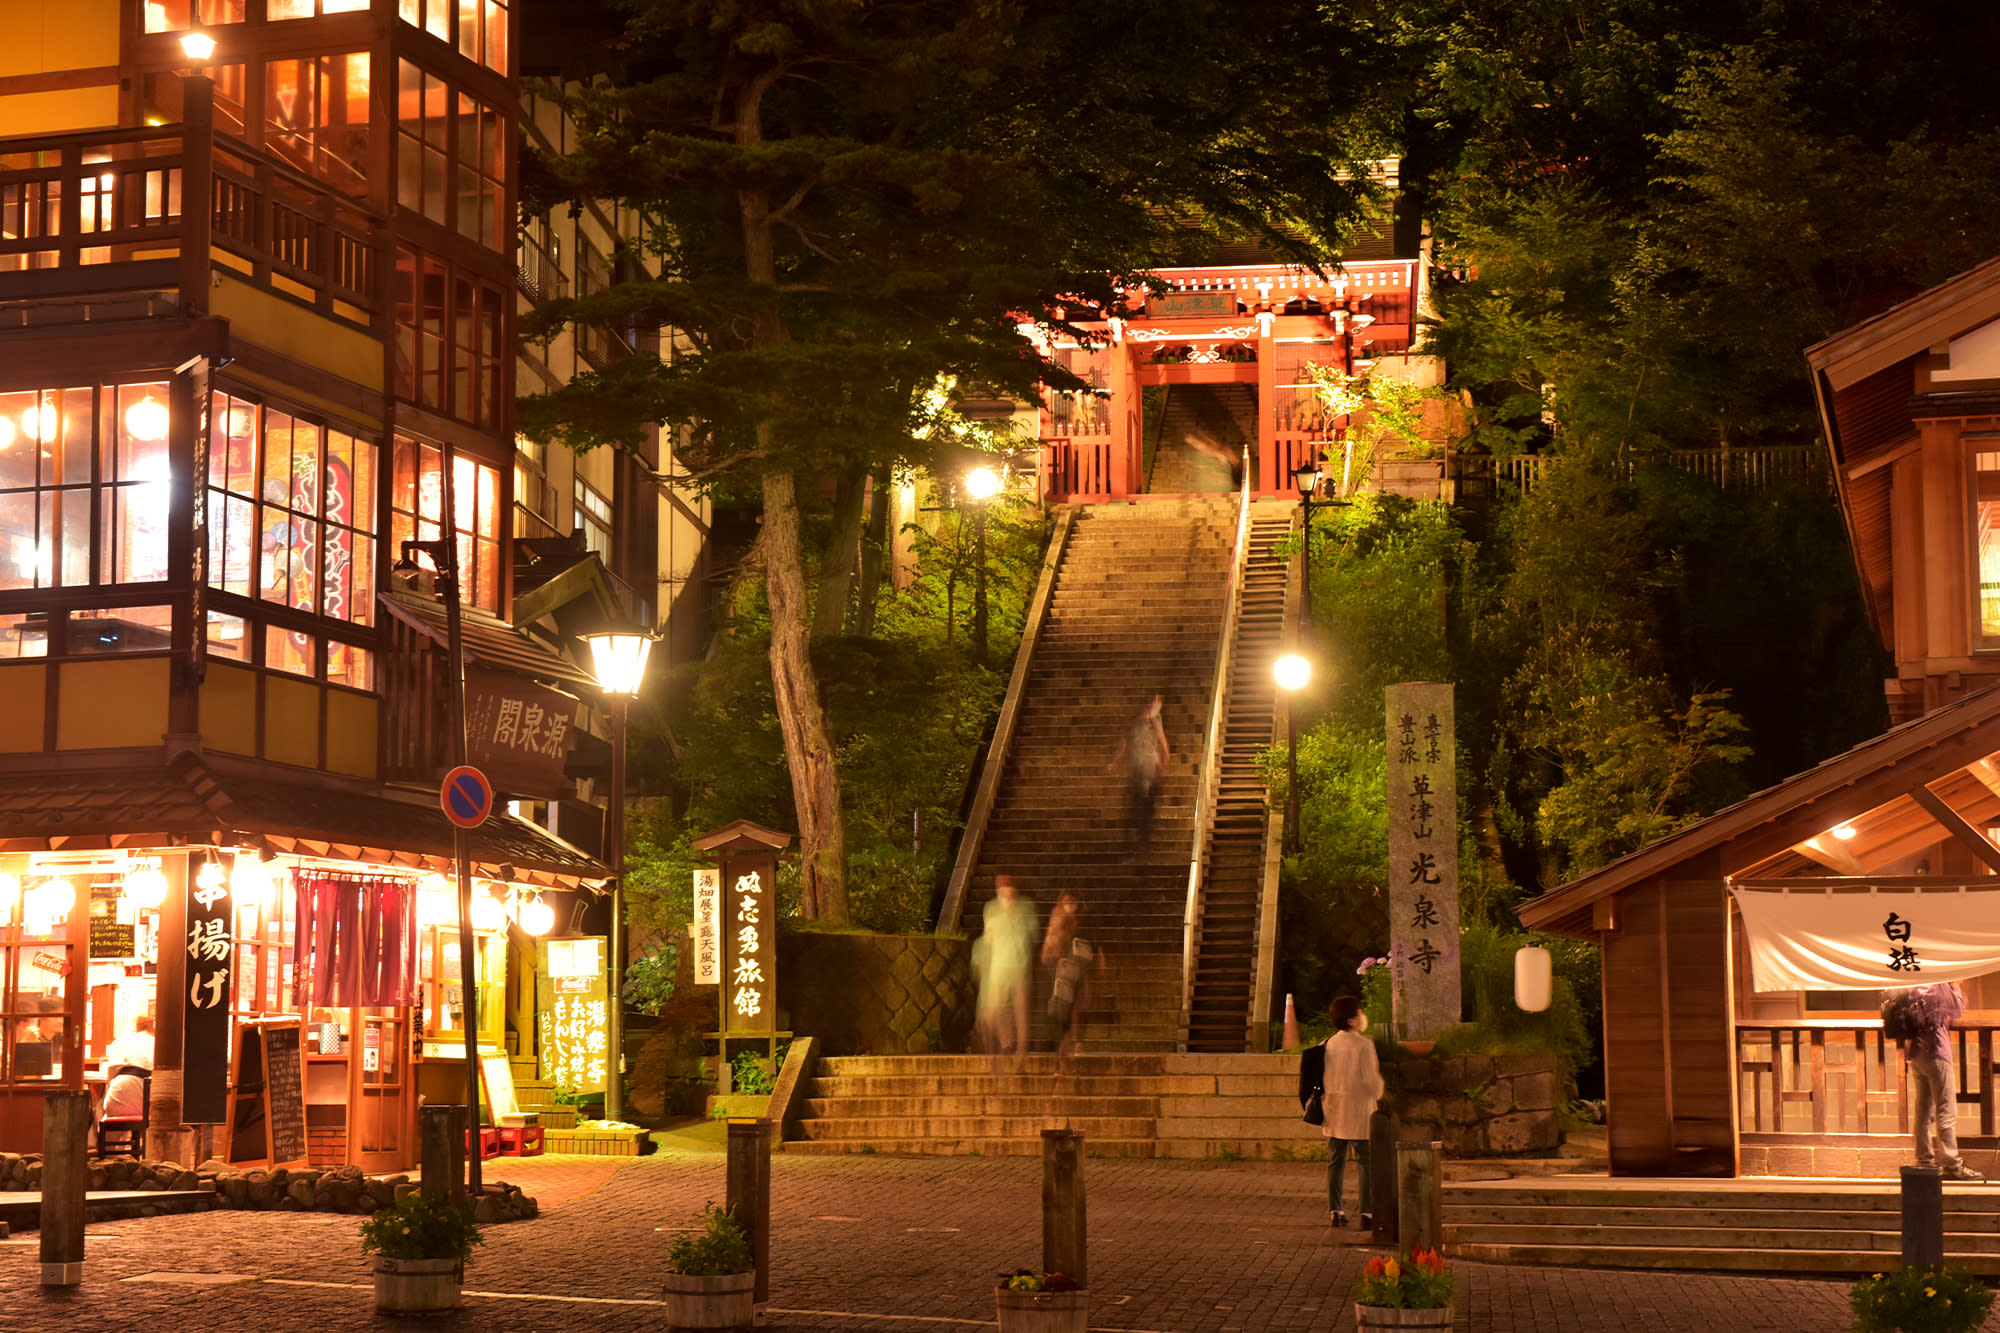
(211, 874)
(1533, 978)
(434, 902)
(146, 888)
(41, 422)
(487, 913)
(58, 896)
(537, 917)
(147, 419)
(248, 880)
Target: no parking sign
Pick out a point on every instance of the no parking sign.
(466, 796)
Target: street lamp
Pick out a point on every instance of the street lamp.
(1306, 477)
(618, 660)
(1293, 673)
(982, 484)
(197, 46)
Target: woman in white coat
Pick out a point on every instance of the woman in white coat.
(1353, 1084)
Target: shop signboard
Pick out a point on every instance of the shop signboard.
(518, 733)
(111, 937)
(707, 926)
(1423, 858)
(205, 1006)
(749, 978)
(573, 1021)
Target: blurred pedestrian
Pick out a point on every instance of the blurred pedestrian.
(1351, 1084)
(1069, 958)
(1935, 1008)
(1004, 957)
(1142, 751)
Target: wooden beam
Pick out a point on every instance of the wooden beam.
(1954, 823)
(1830, 854)
(1988, 774)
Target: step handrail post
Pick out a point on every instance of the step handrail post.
(1003, 727)
(1923, 1215)
(1211, 754)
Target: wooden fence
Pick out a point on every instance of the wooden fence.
(1813, 1080)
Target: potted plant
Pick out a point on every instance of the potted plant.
(1923, 1298)
(1030, 1302)
(1413, 1292)
(713, 1278)
(421, 1245)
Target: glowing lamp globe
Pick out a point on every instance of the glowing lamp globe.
(249, 882)
(197, 45)
(1292, 672)
(435, 906)
(147, 420)
(1534, 978)
(487, 912)
(6, 432)
(982, 483)
(58, 896)
(537, 917)
(41, 422)
(618, 659)
(146, 889)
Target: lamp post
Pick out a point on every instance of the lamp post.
(618, 660)
(982, 484)
(443, 555)
(1292, 673)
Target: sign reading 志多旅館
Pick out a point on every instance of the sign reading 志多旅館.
(1825, 935)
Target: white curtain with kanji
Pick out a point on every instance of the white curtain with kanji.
(1816, 939)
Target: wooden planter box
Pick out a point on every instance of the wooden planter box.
(710, 1302)
(1368, 1318)
(1042, 1311)
(595, 1142)
(417, 1286)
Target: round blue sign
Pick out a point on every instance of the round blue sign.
(467, 797)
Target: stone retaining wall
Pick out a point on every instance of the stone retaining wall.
(341, 1189)
(1481, 1105)
(868, 994)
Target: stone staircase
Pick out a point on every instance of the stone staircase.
(1145, 1105)
(1135, 611)
(1755, 1224)
(1220, 1013)
(536, 1096)
(1225, 413)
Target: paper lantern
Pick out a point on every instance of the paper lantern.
(487, 913)
(58, 896)
(146, 888)
(537, 917)
(147, 419)
(248, 880)
(1534, 975)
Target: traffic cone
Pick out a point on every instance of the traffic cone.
(1291, 1024)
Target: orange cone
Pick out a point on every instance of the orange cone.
(1291, 1024)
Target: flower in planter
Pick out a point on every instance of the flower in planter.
(1418, 1282)
(719, 1248)
(1923, 1298)
(1027, 1279)
(422, 1226)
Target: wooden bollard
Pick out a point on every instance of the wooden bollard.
(1923, 1215)
(1383, 1128)
(749, 1200)
(1419, 1197)
(441, 1135)
(65, 1178)
(1065, 1228)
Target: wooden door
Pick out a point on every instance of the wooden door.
(382, 1094)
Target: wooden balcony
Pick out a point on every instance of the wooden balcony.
(105, 213)
(1817, 1083)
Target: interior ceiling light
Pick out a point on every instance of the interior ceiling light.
(1844, 832)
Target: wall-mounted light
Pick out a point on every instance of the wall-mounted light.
(1844, 832)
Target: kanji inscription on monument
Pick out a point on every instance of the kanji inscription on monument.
(1423, 858)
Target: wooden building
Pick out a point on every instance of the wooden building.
(257, 312)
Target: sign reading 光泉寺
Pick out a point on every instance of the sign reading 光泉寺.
(707, 929)
(750, 944)
(1423, 858)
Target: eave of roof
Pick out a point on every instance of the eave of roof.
(1903, 330)
(488, 639)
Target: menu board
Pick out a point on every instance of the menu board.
(108, 939)
(267, 1106)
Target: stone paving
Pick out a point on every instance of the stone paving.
(875, 1243)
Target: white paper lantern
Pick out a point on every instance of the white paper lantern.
(58, 896)
(1534, 974)
(537, 917)
(146, 888)
(487, 912)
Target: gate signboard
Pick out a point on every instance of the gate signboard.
(1423, 859)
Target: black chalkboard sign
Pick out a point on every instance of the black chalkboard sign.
(267, 1111)
(108, 939)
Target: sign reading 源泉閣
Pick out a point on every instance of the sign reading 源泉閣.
(1423, 858)
(518, 733)
(574, 1019)
(749, 977)
(211, 959)
(707, 927)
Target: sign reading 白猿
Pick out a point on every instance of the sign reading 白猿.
(1423, 858)
(749, 930)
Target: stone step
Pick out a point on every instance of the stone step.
(1782, 1237)
(867, 1108)
(973, 1126)
(1703, 1258)
(1608, 1219)
(1141, 1148)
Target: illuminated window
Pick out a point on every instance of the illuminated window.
(535, 506)
(478, 28)
(593, 519)
(451, 156)
(1986, 514)
(448, 340)
(316, 116)
(57, 487)
(178, 15)
(417, 499)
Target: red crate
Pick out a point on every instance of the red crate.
(521, 1140)
(489, 1144)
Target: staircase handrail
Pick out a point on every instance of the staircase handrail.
(1211, 757)
(1003, 727)
(1266, 967)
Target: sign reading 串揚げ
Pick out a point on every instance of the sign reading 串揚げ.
(707, 926)
(750, 944)
(211, 950)
(1423, 858)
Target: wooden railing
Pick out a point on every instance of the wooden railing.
(1759, 468)
(1827, 1078)
(106, 211)
(1078, 463)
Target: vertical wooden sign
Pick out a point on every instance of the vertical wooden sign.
(707, 927)
(211, 952)
(749, 944)
(1423, 858)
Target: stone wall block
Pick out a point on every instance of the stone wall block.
(1533, 1092)
(1522, 1131)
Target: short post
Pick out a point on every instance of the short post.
(1923, 1215)
(1419, 1203)
(1065, 1231)
(749, 1200)
(441, 1136)
(1382, 1131)
(65, 1177)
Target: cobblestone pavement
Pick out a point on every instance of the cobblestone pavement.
(867, 1243)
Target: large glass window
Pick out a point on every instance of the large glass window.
(1986, 515)
(593, 519)
(417, 498)
(176, 15)
(451, 156)
(316, 116)
(291, 511)
(83, 486)
(448, 340)
(478, 28)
